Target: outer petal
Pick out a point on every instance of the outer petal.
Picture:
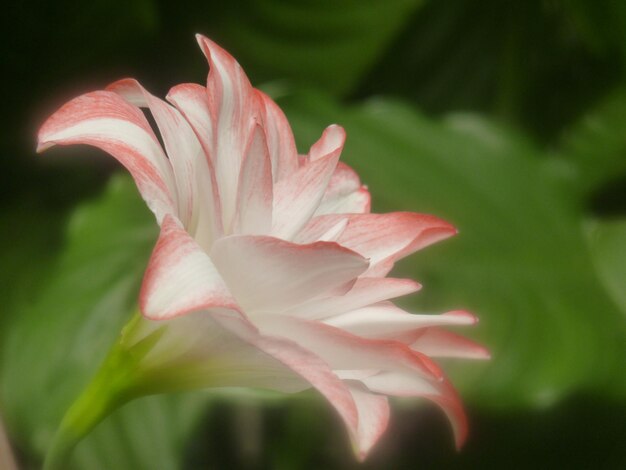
(389, 321)
(197, 196)
(268, 274)
(297, 197)
(436, 342)
(364, 292)
(280, 141)
(234, 108)
(409, 385)
(304, 363)
(343, 350)
(373, 419)
(255, 194)
(388, 237)
(106, 121)
(180, 277)
(333, 138)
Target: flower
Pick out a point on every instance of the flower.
(269, 270)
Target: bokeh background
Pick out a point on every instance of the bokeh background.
(506, 118)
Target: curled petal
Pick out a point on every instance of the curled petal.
(103, 119)
(196, 188)
(373, 413)
(410, 385)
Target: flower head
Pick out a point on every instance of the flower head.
(269, 271)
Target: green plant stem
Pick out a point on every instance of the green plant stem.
(108, 390)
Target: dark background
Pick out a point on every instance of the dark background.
(507, 118)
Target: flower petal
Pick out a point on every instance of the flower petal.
(304, 363)
(364, 292)
(345, 193)
(234, 109)
(194, 181)
(297, 197)
(254, 201)
(193, 103)
(436, 342)
(344, 351)
(410, 385)
(180, 277)
(373, 419)
(333, 138)
(269, 274)
(389, 321)
(280, 141)
(105, 120)
(392, 236)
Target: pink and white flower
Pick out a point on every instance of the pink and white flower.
(269, 271)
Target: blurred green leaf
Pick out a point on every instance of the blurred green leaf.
(25, 256)
(55, 345)
(603, 23)
(527, 62)
(608, 246)
(596, 144)
(520, 262)
(325, 43)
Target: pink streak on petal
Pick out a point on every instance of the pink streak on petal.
(255, 193)
(333, 138)
(234, 109)
(280, 140)
(106, 121)
(436, 342)
(297, 197)
(373, 420)
(194, 179)
(180, 277)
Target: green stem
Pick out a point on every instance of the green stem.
(109, 389)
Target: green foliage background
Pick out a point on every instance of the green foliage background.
(506, 118)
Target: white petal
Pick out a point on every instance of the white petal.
(364, 292)
(268, 274)
(197, 197)
(389, 321)
(180, 277)
(255, 194)
(106, 121)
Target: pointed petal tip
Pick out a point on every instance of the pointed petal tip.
(201, 38)
(483, 353)
(42, 146)
(467, 317)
